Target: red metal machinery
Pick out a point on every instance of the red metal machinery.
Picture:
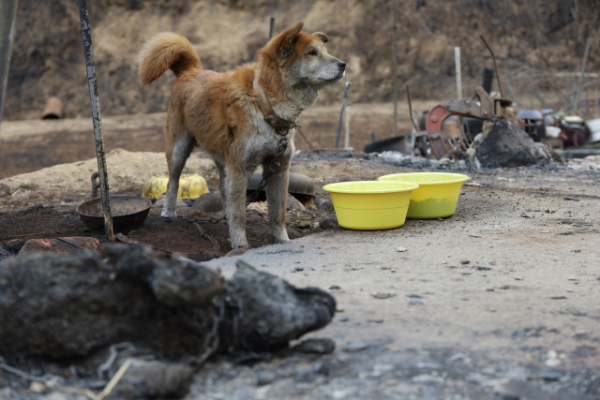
(481, 106)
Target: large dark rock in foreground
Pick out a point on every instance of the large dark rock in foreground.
(504, 144)
(292, 311)
(64, 306)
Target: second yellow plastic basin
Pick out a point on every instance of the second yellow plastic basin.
(371, 205)
(191, 186)
(437, 195)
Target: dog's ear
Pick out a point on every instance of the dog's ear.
(321, 36)
(287, 40)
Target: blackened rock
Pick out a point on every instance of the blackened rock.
(62, 306)
(273, 312)
(175, 281)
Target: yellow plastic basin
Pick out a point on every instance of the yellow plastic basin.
(371, 205)
(436, 196)
(191, 186)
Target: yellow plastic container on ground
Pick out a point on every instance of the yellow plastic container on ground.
(190, 187)
(437, 195)
(371, 205)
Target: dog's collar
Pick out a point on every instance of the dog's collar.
(280, 125)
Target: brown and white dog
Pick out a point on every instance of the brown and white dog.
(242, 118)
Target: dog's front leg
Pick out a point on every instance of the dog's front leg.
(236, 183)
(277, 188)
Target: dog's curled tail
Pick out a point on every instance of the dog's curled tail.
(166, 50)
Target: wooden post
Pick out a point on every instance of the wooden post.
(8, 15)
(90, 64)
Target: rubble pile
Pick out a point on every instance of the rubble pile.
(504, 144)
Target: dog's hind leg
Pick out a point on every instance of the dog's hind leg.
(222, 186)
(178, 152)
(277, 187)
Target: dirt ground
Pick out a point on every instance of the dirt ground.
(495, 301)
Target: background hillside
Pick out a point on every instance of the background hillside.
(533, 40)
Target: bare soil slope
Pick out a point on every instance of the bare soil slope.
(528, 38)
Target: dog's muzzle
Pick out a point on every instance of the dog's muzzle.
(342, 68)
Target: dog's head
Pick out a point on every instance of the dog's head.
(301, 59)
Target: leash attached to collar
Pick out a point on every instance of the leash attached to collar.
(282, 127)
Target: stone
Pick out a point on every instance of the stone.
(63, 245)
(208, 203)
(154, 379)
(294, 204)
(315, 346)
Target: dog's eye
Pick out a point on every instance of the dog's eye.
(313, 52)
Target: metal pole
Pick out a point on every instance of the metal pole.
(8, 15)
(90, 64)
(495, 66)
(271, 24)
(416, 130)
(458, 72)
(304, 137)
(587, 95)
(510, 91)
(394, 77)
(585, 55)
(347, 126)
(597, 101)
(459, 87)
(339, 128)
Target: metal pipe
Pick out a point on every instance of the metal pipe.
(339, 129)
(597, 101)
(587, 96)
(495, 66)
(411, 147)
(304, 137)
(347, 126)
(8, 16)
(394, 77)
(271, 24)
(90, 64)
(458, 72)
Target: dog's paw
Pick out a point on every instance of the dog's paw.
(281, 236)
(237, 251)
(168, 214)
